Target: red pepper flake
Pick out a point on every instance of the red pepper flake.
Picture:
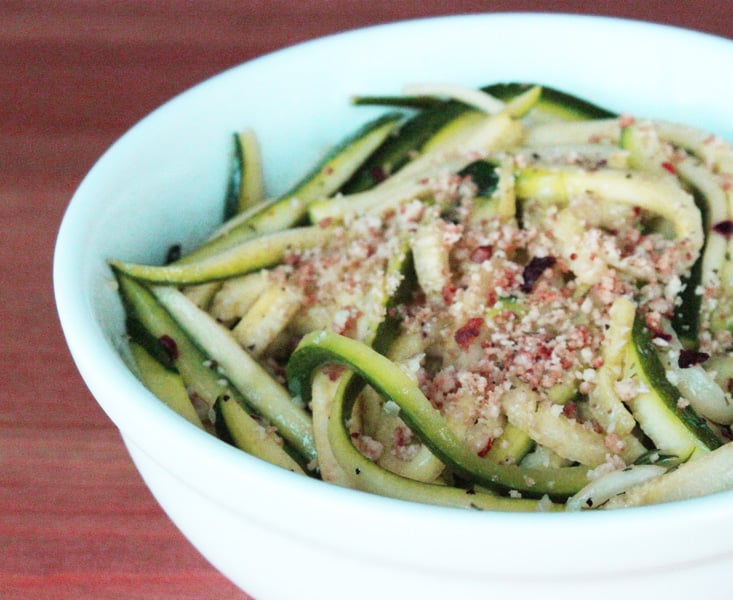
(323, 223)
(655, 330)
(449, 293)
(661, 335)
(292, 259)
(485, 450)
(724, 228)
(333, 371)
(491, 299)
(482, 254)
(573, 256)
(669, 167)
(378, 174)
(169, 346)
(689, 358)
(570, 410)
(469, 332)
(534, 269)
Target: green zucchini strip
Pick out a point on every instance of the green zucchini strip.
(198, 372)
(710, 149)
(716, 209)
(372, 478)
(658, 195)
(246, 181)
(480, 99)
(323, 391)
(569, 439)
(165, 384)
(697, 386)
(143, 309)
(375, 200)
(574, 132)
(648, 153)
(706, 475)
(377, 328)
(715, 206)
(397, 149)
(413, 180)
(511, 446)
(553, 105)
(493, 132)
(422, 466)
(601, 490)
(268, 316)
(656, 407)
(440, 120)
(235, 423)
(290, 209)
(237, 295)
(604, 404)
(472, 97)
(261, 252)
(318, 348)
(260, 391)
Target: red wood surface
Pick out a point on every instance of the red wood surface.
(76, 521)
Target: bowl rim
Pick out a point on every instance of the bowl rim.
(112, 385)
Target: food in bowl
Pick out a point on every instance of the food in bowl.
(501, 299)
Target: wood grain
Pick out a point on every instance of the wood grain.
(76, 521)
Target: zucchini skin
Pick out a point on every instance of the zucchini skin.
(236, 171)
(371, 477)
(566, 106)
(183, 355)
(666, 395)
(258, 390)
(323, 347)
(165, 384)
(644, 145)
(251, 255)
(686, 318)
(554, 101)
(290, 209)
(245, 187)
(484, 176)
(396, 151)
(236, 426)
(658, 195)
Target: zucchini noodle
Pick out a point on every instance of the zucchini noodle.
(503, 298)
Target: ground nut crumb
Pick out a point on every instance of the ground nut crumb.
(614, 443)
(368, 446)
(613, 463)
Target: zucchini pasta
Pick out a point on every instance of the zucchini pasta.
(501, 299)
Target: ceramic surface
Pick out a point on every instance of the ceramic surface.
(277, 534)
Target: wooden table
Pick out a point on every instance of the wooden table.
(76, 521)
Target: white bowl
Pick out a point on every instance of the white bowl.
(279, 535)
